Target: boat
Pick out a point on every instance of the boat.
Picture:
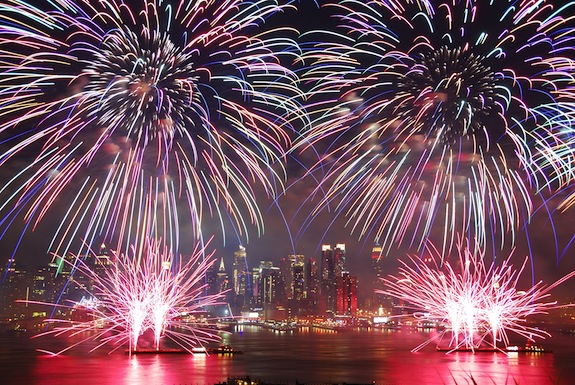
(528, 349)
(223, 349)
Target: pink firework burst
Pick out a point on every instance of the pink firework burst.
(148, 289)
(479, 304)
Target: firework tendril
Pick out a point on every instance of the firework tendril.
(442, 115)
(114, 104)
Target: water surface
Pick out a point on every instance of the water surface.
(306, 356)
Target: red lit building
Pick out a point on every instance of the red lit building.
(346, 300)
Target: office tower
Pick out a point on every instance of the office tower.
(258, 274)
(375, 300)
(211, 279)
(346, 302)
(332, 266)
(339, 259)
(293, 272)
(223, 280)
(298, 288)
(327, 283)
(241, 278)
(15, 286)
(313, 279)
(272, 288)
(217, 280)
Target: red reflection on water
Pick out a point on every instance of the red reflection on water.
(383, 357)
(131, 370)
(477, 368)
(499, 368)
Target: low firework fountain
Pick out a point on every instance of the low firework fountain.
(479, 304)
(135, 294)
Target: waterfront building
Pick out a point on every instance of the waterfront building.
(346, 302)
(327, 283)
(15, 286)
(293, 272)
(258, 275)
(332, 267)
(241, 284)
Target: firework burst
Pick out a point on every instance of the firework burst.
(446, 114)
(147, 290)
(110, 103)
(479, 304)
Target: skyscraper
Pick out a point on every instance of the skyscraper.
(298, 288)
(332, 266)
(241, 278)
(327, 283)
(346, 302)
(293, 272)
(375, 300)
(258, 274)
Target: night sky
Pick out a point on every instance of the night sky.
(545, 240)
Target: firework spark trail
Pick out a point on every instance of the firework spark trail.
(442, 115)
(137, 293)
(111, 101)
(475, 301)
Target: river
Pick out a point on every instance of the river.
(309, 356)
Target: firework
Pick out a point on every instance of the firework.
(445, 115)
(478, 303)
(107, 105)
(132, 294)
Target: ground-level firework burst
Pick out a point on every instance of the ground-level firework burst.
(421, 87)
(99, 100)
(480, 304)
(148, 290)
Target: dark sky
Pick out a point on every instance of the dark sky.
(328, 228)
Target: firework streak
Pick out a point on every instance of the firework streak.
(114, 107)
(478, 304)
(441, 115)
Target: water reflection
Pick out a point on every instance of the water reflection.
(499, 368)
(309, 357)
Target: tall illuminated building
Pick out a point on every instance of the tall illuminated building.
(293, 272)
(381, 303)
(240, 278)
(377, 273)
(313, 279)
(332, 266)
(258, 275)
(14, 285)
(298, 287)
(327, 281)
(272, 287)
(339, 259)
(217, 279)
(223, 279)
(346, 300)
(103, 260)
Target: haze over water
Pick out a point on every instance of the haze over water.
(307, 356)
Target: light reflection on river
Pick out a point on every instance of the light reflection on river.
(307, 356)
